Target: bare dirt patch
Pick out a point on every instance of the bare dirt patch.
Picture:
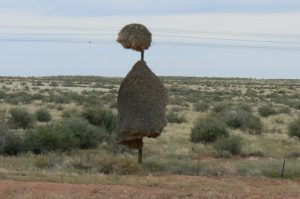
(157, 187)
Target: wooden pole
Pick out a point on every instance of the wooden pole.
(142, 55)
(198, 166)
(140, 156)
(283, 166)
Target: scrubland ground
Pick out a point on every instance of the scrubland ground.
(260, 112)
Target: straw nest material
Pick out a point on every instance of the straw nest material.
(135, 36)
(141, 105)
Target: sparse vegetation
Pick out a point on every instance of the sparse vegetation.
(79, 138)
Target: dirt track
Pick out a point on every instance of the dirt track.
(157, 187)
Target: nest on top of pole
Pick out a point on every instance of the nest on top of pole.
(135, 36)
(142, 100)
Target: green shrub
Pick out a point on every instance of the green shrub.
(88, 136)
(43, 115)
(61, 99)
(208, 130)
(242, 119)
(2, 114)
(254, 125)
(294, 128)
(2, 94)
(284, 109)
(11, 143)
(100, 117)
(218, 107)
(53, 84)
(72, 112)
(68, 134)
(232, 144)
(19, 97)
(51, 137)
(266, 110)
(21, 118)
(201, 106)
(174, 117)
(244, 107)
(251, 93)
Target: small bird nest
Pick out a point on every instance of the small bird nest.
(141, 106)
(135, 36)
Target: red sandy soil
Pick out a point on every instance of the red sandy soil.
(157, 187)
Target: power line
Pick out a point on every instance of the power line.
(230, 46)
(158, 43)
(168, 30)
(158, 35)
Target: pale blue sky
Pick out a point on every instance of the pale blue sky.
(219, 25)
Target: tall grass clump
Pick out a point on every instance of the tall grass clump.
(208, 129)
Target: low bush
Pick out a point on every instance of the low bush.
(232, 144)
(285, 110)
(201, 106)
(2, 94)
(88, 136)
(294, 128)
(174, 117)
(100, 117)
(21, 118)
(242, 119)
(11, 143)
(63, 137)
(266, 110)
(218, 107)
(53, 84)
(60, 99)
(43, 115)
(72, 112)
(51, 137)
(208, 130)
(244, 106)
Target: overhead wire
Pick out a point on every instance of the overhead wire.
(191, 37)
(159, 35)
(168, 30)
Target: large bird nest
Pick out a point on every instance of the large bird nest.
(141, 106)
(135, 36)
